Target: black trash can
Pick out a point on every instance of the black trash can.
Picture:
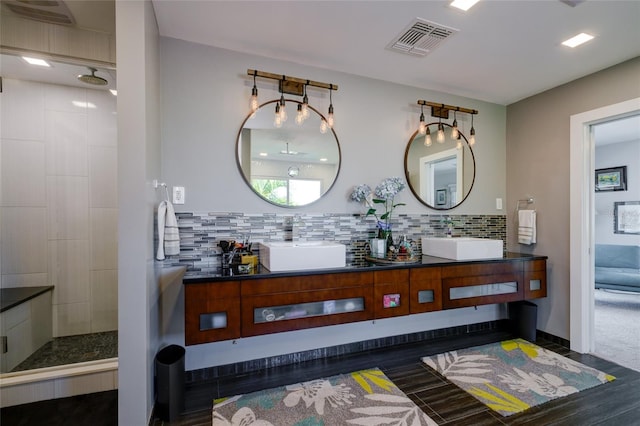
(524, 319)
(169, 367)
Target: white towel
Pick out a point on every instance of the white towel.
(168, 235)
(527, 227)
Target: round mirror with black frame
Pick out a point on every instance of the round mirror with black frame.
(291, 165)
(440, 175)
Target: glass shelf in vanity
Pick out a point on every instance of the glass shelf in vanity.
(492, 289)
(307, 310)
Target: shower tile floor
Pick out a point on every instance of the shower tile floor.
(72, 349)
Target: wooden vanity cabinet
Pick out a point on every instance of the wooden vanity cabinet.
(481, 284)
(211, 312)
(243, 307)
(391, 293)
(273, 305)
(425, 288)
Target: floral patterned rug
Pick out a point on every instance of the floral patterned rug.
(514, 375)
(364, 397)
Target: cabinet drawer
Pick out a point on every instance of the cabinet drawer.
(425, 287)
(478, 269)
(212, 312)
(391, 293)
(535, 284)
(535, 265)
(459, 292)
(305, 283)
(274, 313)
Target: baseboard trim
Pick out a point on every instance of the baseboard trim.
(555, 339)
(210, 373)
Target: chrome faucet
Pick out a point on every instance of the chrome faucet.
(289, 228)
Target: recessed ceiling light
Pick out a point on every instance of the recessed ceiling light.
(323, 159)
(263, 154)
(114, 92)
(463, 4)
(577, 40)
(36, 61)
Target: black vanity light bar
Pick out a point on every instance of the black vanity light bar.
(291, 85)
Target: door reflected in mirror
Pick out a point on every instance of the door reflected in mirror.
(440, 175)
(292, 165)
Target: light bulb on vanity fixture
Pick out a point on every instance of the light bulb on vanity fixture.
(299, 115)
(330, 116)
(254, 96)
(422, 127)
(277, 120)
(440, 137)
(427, 138)
(454, 127)
(283, 109)
(472, 134)
(305, 103)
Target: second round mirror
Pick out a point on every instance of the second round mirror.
(440, 175)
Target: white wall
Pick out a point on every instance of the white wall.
(138, 165)
(614, 155)
(206, 97)
(59, 200)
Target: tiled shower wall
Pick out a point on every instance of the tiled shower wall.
(200, 232)
(59, 200)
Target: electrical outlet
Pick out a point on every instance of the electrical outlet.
(178, 195)
(498, 203)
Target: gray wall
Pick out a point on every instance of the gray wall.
(206, 92)
(538, 166)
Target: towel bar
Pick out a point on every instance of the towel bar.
(524, 200)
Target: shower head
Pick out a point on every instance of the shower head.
(93, 78)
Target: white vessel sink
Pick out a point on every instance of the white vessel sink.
(300, 255)
(462, 248)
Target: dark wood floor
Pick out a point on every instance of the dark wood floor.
(616, 403)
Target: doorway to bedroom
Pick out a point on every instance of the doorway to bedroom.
(616, 235)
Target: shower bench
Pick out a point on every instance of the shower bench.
(25, 323)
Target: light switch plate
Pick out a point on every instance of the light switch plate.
(178, 195)
(498, 203)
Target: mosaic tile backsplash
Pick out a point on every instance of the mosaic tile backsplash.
(200, 232)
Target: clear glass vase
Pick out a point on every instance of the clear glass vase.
(386, 234)
(378, 248)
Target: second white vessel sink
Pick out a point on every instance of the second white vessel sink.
(300, 255)
(462, 248)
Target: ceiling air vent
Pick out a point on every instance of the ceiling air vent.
(50, 11)
(421, 37)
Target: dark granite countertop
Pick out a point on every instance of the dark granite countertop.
(13, 296)
(194, 277)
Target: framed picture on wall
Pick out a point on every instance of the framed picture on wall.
(611, 179)
(626, 217)
(441, 197)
